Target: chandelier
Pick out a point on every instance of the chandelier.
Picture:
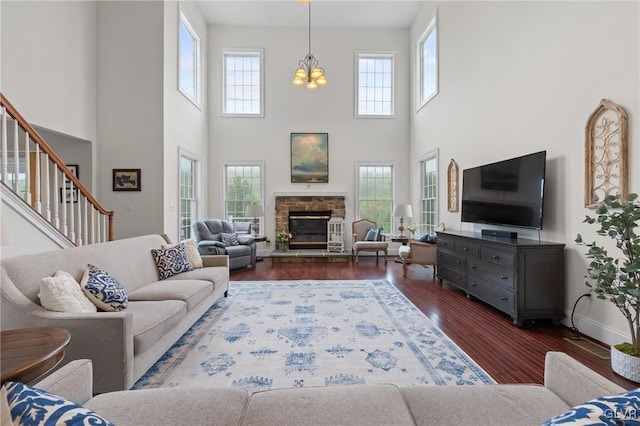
(308, 70)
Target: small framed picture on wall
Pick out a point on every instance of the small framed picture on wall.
(126, 180)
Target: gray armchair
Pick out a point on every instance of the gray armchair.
(208, 235)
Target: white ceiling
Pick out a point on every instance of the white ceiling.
(324, 13)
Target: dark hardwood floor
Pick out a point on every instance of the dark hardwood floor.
(508, 353)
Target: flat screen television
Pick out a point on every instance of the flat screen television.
(509, 192)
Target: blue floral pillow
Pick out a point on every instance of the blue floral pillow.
(171, 261)
(32, 406)
(621, 409)
(103, 290)
(229, 239)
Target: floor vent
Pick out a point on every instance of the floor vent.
(599, 351)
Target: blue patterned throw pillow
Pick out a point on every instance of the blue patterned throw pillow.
(32, 406)
(229, 239)
(103, 290)
(623, 409)
(372, 234)
(171, 261)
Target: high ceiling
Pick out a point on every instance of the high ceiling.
(324, 13)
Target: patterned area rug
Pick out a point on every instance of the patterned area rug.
(283, 334)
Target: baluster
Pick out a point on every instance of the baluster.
(72, 224)
(4, 145)
(16, 157)
(38, 205)
(47, 187)
(56, 203)
(27, 169)
(93, 225)
(65, 227)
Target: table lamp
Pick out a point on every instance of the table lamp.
(255, 211)
(402, 211)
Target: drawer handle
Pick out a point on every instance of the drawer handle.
(473, 267)
(496, 257)
(465, 249)
(504, 277)
(504, 299)
(474, 285)
(457, 261)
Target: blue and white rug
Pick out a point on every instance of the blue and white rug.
(283, 334)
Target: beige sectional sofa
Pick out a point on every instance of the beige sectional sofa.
(122, 345)
(567, 383)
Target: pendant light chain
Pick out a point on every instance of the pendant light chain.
(309, 71)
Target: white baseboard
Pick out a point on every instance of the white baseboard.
(595, 330)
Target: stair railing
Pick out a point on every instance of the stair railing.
(33, 171)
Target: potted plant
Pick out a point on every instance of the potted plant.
(284, 237)
(617, 279)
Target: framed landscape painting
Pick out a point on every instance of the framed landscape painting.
(309, 157)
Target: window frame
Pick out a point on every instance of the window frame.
(261, 192)
(432, 28)
(183, 153)
(394, 168)
(258, 52)
(429, 156)
(368, 54)
(197, 68)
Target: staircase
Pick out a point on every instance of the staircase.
(33, 177)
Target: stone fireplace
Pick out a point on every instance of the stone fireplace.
(304, 207)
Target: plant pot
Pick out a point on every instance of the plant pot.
(625, 365)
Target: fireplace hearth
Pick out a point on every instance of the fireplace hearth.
(309, 229)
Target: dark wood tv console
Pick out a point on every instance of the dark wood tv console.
(523, 278)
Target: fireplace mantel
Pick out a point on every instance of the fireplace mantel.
(310, 194)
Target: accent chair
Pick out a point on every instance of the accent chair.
(421, 254)
(362, 239)
(240, 248)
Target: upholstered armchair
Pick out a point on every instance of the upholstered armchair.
(363, 240)
(421, 254)
(217, 236)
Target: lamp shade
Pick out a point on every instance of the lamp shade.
(402, 210)
(254, 210)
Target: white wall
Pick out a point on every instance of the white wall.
(130, 110)
(521, 77)
(49, 63)
(289, 109)
(185, 125)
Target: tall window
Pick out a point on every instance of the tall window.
(188, 61)
(375, 84)
(243, 186)
(243, 83)
(375, 194)
(427, 61)
(429, 198)
(188, 212)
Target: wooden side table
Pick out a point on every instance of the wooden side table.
(27, 354)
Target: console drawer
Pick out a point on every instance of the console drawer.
(467, 250)
(459, 279)
(498, 257)
(452, 261)
(494, 295)
(504, 277)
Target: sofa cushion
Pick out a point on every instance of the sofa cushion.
(603, 410)
(229, 239)
(62, 293)
(191, 292)
(191, 249)
(171, 261)
(216, 275)
(333, 405)
(33, 406)
(153, 319)
(514, 404)
(173, 406)
(103, 290)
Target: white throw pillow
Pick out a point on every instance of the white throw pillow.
(191, 249)
(62, 293)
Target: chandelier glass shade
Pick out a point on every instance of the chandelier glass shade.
(309, 72)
